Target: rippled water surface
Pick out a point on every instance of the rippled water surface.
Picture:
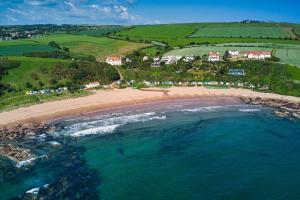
(191, 149)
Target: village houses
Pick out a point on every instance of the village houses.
(257, 55)
(214, 56)
(114, 60)
(234, 53)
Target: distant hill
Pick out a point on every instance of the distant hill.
(183, 34)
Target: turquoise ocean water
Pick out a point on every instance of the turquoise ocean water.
(187, 149)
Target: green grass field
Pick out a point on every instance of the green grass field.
(17, 77)
(179, 34)
(15, 50)
(98, 32)
(99, 47)
(159, 32)
(251, 31)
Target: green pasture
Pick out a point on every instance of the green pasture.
(250, 31)
(15, 50)
(159, 32)
(98, 32)
(179, 34)
(17, 77)
(99, 47)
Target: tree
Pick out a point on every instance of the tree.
(28, 85)
(54, 45)
(66, 49)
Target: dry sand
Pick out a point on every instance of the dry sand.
(106, 99)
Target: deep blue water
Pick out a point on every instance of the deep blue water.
(173, 150)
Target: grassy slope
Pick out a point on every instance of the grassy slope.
(19, 76)
(256, 32)
(99, 47)
(16, 50)
(178, 34)
(160, 32)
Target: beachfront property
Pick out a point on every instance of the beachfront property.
(92, 85)
(114, 60)
(47, 91)
(214, 56)
(257, 55)
(237, 72)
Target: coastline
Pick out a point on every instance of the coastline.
(103, 100)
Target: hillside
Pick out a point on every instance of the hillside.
(183, 34)
(99, 47)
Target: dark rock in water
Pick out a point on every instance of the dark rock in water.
(286, 108)
(15, 153)
(74, 180)
(22, 132)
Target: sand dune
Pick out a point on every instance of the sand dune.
(106, 99)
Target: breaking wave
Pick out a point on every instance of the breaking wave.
(249, 110)
(208, 108)
(94, 131)
(109, 125)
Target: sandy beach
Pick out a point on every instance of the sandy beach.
(107, 99)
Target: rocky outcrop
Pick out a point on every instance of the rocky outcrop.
(23, 131)
(16, 153)
(285, 108)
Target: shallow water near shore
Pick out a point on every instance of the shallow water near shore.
(183, 149)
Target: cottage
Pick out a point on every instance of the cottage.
(258, 55)
(114, 60)
(213, 56)
(92, 85)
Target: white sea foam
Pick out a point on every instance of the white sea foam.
(34, 191)
(249, 110)
(109, 125)
(200, 109)
(54, 143)
(93, 131)
(29, 161)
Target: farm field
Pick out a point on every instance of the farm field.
(251, 31)
(15, 50)
(99, 47)
(288, 54)
(159, 32)
(98, 32)
(179, 34)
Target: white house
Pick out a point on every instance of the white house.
(189, 58)
(213, 56)
(170, 59)
(258, 55)
(234, 53)
(92, 85)
(114, 60)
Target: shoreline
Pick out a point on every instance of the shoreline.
(105, 100)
